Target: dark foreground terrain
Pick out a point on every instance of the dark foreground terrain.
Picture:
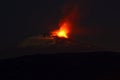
(61, 66)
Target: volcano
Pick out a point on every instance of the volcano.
(59, 39)
(57, 45)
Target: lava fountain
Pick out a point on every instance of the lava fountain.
(67, 21)
(63, 31)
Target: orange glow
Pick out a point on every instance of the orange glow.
(62, 34)
(68, 20)
(63, 31)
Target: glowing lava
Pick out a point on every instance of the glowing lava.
(62, 32)
(67, 21)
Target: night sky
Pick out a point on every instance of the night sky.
(25, 18)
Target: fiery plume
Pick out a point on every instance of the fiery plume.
(70, 15)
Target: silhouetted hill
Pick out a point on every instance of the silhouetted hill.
(68, 66)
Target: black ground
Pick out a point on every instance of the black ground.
(62, 66)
